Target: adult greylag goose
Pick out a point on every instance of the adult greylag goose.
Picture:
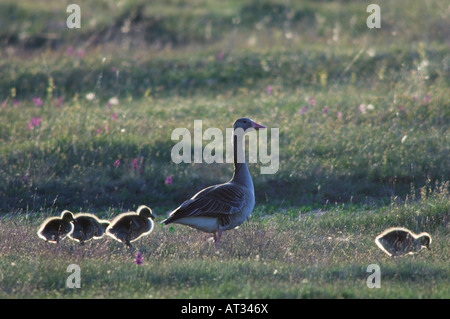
(54, 229)
(397, 241)
(87, 226)
(225, 206)
(128, 227)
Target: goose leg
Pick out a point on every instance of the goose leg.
(82, 238)
(217, 238)
(127, 242)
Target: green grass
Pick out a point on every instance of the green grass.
(283, 254)
(346, 171)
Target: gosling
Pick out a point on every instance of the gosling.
(87, 227)
(129, 227)
(54, 229)
(398, 241)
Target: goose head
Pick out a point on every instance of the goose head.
(67, 216)
(425, 240)
(145, 211)
(245, 123)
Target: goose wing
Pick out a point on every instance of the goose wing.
(215, 201)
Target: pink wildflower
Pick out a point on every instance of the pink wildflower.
(80, 53)
(362, 108)
(134, 164)
(37, 101)
(312, 101)
(34, 122)
(58, 102)
(116, 163)
(168, 180)
(220, 55)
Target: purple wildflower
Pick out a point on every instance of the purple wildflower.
(427, 98)
(325, 110)
(303, 110)
(114, 116)
(312, 101)
(116, 163)
(269, 90)
(168, 180)
(138, 261)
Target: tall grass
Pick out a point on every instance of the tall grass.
(86, 118)
(286, 254)
(329, 152)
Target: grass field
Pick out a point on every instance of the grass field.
(86, 117)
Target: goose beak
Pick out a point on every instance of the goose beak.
(152, 217)
(257, 126)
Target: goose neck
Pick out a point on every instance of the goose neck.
(241, 173)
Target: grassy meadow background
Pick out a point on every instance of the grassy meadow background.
(86, 117)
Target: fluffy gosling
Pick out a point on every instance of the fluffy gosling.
(398, 241)
(129, 227)
(87, 227)
(54, 229)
